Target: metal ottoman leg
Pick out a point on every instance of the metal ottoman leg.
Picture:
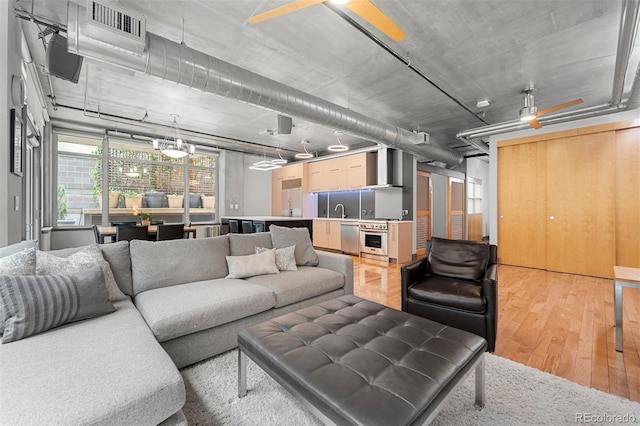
(242, 373)
(480, 383)
(617, 310)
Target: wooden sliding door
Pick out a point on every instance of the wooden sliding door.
(580, 204)
(522, 227)
(628, 197)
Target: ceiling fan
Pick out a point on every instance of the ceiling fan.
(530, 112)
(363, 8)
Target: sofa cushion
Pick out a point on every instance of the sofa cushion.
(182, 309)
(285, 257)
(32, 304)
(156, 264)
(51, 263)
(294, 286)
(447, 291)
(458, 258)
(282, 237)
(244, 244)
(104, 370)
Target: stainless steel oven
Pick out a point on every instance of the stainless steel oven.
(374, 238)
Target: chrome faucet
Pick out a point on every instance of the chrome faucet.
(336, 209)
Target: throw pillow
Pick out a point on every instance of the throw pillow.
(252, 265)
(285, 258)
(20, 263)
(88, 257)
(282, 237)
(14, 248)
(33, 304)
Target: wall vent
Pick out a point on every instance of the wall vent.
(110, 24)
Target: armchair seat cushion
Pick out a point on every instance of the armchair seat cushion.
(453, 292)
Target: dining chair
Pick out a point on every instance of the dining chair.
(124, 223)
(96, 234)
(170, 232)
(128, 233)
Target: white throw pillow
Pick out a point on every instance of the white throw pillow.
(20, 263)
(252, 265)
(87, 258)
(285, 257)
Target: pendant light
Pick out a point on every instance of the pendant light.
(306, 154)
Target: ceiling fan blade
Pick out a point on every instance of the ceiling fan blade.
(557, 107)
(283, 10)
(367, 11)
(534, 123)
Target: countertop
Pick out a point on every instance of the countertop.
(266, 218)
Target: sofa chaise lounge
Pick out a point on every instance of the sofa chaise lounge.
(178, 309)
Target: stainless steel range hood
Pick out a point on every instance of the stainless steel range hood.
(389, 173)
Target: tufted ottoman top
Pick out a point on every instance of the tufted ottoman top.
(359, 362)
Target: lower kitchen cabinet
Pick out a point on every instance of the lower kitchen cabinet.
(400, 240)
(326, 234)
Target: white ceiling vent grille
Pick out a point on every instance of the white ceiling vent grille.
(113, 25)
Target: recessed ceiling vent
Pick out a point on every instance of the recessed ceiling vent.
(110, 24)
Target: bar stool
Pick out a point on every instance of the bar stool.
(234, 226)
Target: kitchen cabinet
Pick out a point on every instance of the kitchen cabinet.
(287, 177)
(361, 170)
(326, 234)
(342, 173)
(400, 241)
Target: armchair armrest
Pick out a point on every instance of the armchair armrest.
(410, 274)
(490, 293)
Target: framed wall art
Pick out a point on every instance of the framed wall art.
(17, 144)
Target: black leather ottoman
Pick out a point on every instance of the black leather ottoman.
(352, 361)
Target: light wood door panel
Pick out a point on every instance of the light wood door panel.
(521, 205)
(628, 197)
(581, 204)
(423, 212)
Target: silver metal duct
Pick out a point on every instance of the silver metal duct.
(179, 63)
(626, 35)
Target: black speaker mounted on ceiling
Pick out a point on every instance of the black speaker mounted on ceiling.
(284, 125)
(60, 62)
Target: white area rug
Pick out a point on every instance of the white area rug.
(515, 395)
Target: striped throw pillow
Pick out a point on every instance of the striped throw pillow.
(32, 304)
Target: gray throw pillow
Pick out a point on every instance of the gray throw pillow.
(19, 263)
(88, 257)
(285, 257)
(14, 248)
(252, 265)
(282, 237)
(32, 304)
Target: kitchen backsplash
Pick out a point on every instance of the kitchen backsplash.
(357, 204)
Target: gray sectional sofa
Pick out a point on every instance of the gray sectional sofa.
(122, 368)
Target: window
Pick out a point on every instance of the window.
(139, 179)
(474, 197)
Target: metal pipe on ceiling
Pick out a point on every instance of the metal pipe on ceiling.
(188, 67)
(626, 34)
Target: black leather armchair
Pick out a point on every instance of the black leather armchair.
(456, 285)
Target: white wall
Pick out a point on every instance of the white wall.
(493, 145)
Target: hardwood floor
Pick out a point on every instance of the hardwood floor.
(559, 323)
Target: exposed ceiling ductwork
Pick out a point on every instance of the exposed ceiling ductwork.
(185, 66)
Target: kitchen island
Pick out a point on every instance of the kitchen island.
(248, 224)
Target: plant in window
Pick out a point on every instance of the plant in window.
(62, 202)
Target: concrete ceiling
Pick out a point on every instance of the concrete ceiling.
(473, 50)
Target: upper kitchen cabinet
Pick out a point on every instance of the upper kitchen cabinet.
(290, 185)
(342, 173)
(361, 170)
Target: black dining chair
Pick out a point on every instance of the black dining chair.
(128, 233)
(234, 226)
(96, 233)
(170, 232)
(124, 223)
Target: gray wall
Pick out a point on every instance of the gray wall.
(257, 189)
(11, 228)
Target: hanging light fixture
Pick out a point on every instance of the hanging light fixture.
(173, 145)
(338, 147)
(306, 154)
(265, 165)
(279, 161)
